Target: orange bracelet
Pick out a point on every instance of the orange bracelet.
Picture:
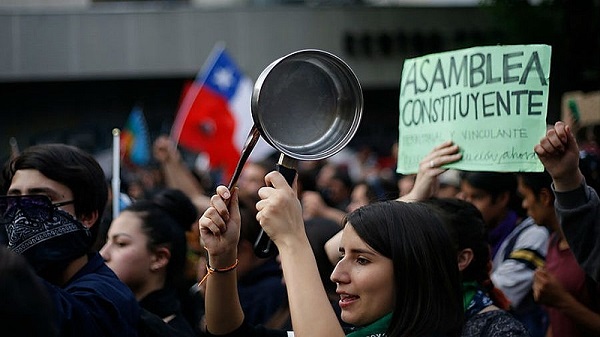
(211, 270)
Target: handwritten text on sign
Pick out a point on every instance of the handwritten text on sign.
(491, 101)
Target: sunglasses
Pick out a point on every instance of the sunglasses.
(27, 203)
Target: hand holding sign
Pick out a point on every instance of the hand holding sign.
(430, 168)
(491, 101)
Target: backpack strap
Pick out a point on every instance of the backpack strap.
(531, 258)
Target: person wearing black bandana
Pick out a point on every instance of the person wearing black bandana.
(396, 277)
(55, 195)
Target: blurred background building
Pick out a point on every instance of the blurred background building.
(71, 70)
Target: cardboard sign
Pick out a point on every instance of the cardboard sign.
(491, 101)
(581, 108)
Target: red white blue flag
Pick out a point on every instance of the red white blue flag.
(215, 116)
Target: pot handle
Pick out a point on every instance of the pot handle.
(263, 246)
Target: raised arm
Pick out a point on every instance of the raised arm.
(314, 206)
(577, 205)
(177, 174)
(430, 168)
(559, 153)
(280, 215)
(220, 233)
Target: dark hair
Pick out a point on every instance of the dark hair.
(165, 219)
(249, 227)
(374, 191)
(467, 230)
(70, 166)
(536, 181)
(342, 174)
(26, 304)
(428, 293)
(496, 183)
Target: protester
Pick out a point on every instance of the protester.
(577, 205)
(449, 184)
(425, 185)
(146, 248)
(56, 195)
(495, 195)
(314, 206)
(485, 305)
(570, 298)
(334, 185)
(262, 291)
(518, 244)
(384, 285)
(25, 308)
(363, 192)
(260, 285)
(193, 183)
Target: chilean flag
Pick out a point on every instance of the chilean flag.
(214, 117)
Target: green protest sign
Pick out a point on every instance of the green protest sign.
(491, 101)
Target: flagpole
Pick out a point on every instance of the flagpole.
(116, 172)
(210, 61)
(194, 89)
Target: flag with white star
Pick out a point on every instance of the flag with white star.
(215, 115)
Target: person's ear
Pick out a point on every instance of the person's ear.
(465, 257)
(161, 258)
(88, 220)
(546, 197)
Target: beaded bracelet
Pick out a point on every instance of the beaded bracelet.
(211, 270)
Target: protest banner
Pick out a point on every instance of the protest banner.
(581, 108)
(491, 101)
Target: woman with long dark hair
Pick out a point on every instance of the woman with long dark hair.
(396, 276)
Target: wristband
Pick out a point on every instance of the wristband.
(211, 270)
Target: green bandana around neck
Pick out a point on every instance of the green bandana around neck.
(469, 289)
(375, 329)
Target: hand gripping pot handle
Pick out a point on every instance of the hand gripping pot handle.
(308, 106)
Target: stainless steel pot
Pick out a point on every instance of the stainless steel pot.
(308, 106)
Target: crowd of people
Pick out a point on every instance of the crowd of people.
(361, 250)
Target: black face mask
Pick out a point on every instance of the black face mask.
(46, 236)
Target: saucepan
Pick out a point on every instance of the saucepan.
(308, 106)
